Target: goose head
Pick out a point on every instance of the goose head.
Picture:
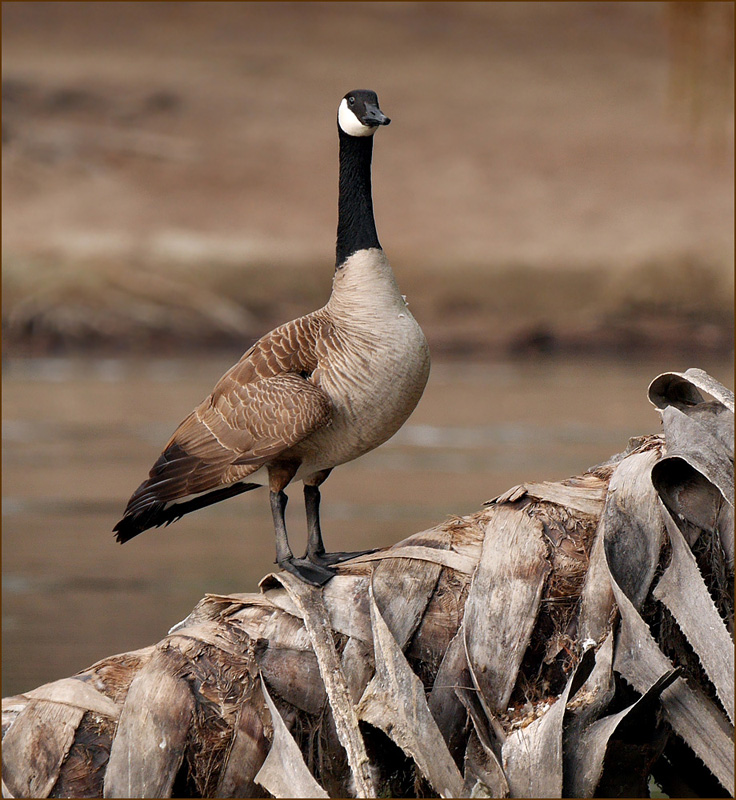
(359, 114)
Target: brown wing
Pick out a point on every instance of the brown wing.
(266, 403)
(261, 407)
(252, 423)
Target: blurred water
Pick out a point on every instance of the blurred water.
(80, 434)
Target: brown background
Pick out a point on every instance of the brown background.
(553, 176)
(553, 180)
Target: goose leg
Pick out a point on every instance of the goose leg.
(308, 571)
(315, 546)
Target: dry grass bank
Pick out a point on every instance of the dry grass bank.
(169, 173)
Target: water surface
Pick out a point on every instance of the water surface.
(79, 435)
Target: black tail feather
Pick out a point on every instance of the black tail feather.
(156, 514)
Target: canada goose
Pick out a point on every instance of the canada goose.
(311, 394)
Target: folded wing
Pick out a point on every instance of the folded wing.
(237, 429)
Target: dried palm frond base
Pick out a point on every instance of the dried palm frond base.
(569, 639)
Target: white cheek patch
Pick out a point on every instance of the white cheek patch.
(350, 123)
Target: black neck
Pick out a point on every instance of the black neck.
(356, 228)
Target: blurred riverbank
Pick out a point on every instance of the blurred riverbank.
(170, 175)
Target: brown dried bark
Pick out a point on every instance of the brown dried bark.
(568, 638)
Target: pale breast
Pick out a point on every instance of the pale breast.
(374, 375)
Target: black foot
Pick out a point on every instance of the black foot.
(316, 574)
(326, 559)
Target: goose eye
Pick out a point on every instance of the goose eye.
(351, 100)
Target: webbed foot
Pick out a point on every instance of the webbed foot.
(327, 559)
(310, 572)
